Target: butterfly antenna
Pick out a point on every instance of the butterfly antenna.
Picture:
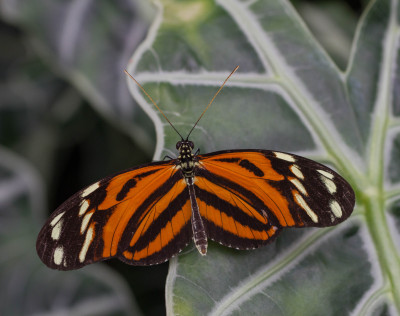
(212, 100)
(151, 99)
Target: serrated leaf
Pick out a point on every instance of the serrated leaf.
(289, 95)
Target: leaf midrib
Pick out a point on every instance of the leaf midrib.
(328, 136)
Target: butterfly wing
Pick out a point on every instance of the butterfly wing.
(141, 215)
(246, 197)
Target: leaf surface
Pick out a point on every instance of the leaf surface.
(28, 286)
(287, 95)
(88, 44)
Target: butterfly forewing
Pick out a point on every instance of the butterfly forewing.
(161, 227)
(141, 216)
(252, 194)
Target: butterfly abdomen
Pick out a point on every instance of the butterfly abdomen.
(199, 232)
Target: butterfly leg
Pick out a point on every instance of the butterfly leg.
(169, 157)
(199, 232)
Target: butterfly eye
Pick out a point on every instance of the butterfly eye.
(178, 144)
(191, 144)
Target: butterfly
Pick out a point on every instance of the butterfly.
(147, 214)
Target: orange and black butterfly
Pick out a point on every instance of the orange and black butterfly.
(148, 214)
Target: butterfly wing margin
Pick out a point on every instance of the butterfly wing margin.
(100, 221)
(320, 196)
(286, 189)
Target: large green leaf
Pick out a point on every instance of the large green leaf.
(28, 287)
(35, 107)
(287, 95)
(88, 44)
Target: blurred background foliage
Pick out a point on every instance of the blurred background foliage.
(61, 98)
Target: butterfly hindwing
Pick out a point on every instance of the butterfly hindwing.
(141, 216)
(248, 196)
(231, 218)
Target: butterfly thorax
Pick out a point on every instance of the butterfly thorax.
(187, 160)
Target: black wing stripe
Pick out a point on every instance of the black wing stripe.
(181, 240)
(228, 239)
(161, 221)
(152, 199)
(225, 207)
(248, 196)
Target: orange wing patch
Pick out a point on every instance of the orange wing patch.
(167, 234)
(254, 174)
(125, 206)
(229, 216)
(170, 229)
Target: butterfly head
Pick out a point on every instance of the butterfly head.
(185, 146)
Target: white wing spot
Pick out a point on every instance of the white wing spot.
(65, 263)
(326, 174)
(56, 231)
(330, 185)
(85, 221)
(299, 186)
(305, 207)
(84, 207)
(86, 244)
(336, 209)
(296, 171)
(58, 255)
(90, 189)
(56, 219)
(265, 215)
(284, 156)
